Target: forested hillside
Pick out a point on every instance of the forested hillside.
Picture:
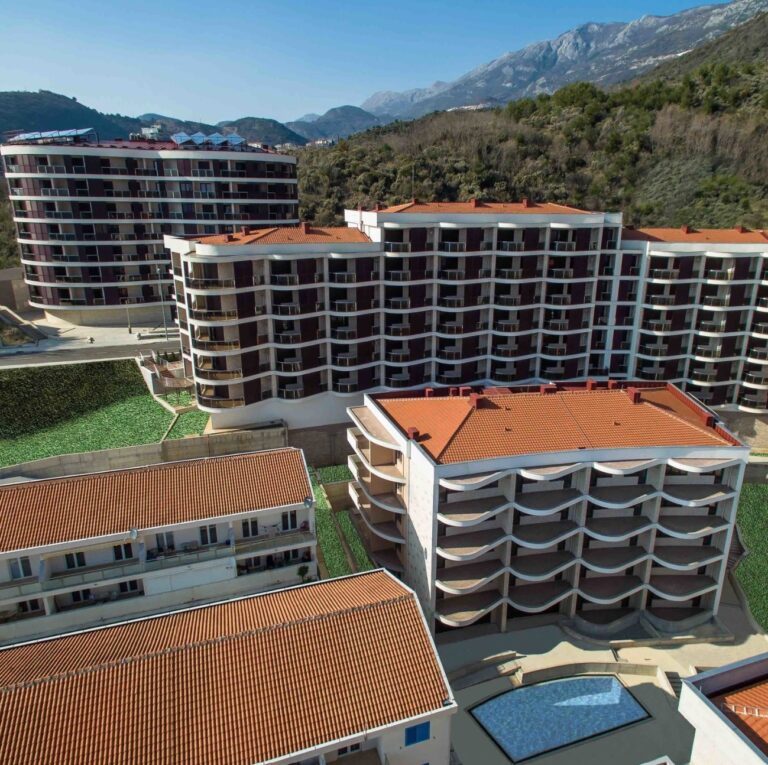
(687, 147)
(9, 255)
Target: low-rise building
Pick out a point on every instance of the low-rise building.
(603, 502)
(728, 707)
(88, 549)
(340, 670)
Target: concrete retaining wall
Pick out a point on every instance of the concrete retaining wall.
(322, 446)
(338, 494)
(194, 447)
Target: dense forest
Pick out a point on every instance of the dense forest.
(687, 144)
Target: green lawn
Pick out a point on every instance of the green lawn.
(327, 536)
(362, 560)
(752, 572)
(333, 473)
(52, 410)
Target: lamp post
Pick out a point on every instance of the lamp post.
(162, 299)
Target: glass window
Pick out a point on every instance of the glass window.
(75, 560)
(20, 567)
(129, 586)
(417, 733)
(123, 552)
(250, 527)
(164, 541)
(208, 535)
(289, 520)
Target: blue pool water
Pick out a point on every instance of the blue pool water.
(537, 718)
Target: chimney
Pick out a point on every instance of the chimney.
(244, 230)
(613, 384)
(548, 388)
(741, 229)
(230, 238)
(634, 395)
(465, 390)
(429, 392)
(473, 202)
(591, 384)
(413, 434)
(527, 202)
(305, 227)
(474, 400)
(686, 229)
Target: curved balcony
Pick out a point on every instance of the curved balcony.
(470, 483)
(534, 598)
(541, 536)
(371, 427)
(617, 529)
(460, 580)
(682, 587)
(549, 473)
(472, 511)
(700, 465)
(464, 610)
(547, 502)
(691, 526)
(611, 560)
(471, 545)
(386, 500)
(625, 467)
(387, 530)
(388, 472)
(541, 566)
(621, 496)
(686, 557)
(387, 558)
(696, 495)
(609, 589)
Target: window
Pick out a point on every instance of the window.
(75, 560)
(123, 552)
(289, 520)
(20, 568)
(417, 733)
(290, 555)
(348, 749)
(164, 541)
(250, 527)
(208, 535)
(81, 596)
(129, 586)
(27, 606)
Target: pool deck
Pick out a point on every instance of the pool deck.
(474, 666)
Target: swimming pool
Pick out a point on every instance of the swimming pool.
(537, 718)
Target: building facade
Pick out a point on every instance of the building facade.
(606, 503)
(95, 548)
(297, 326)
(343, 670)
(728, 707)
(91, 213)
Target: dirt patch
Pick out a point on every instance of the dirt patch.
(752, 429)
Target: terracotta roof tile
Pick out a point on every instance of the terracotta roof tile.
(755, 697)
(696, 235)
(303, 234)
(524, 422)
(492, 208)
(64, 509)
(229, 684)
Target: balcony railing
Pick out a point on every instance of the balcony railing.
(397, 247)
(215, 345)
(220, 403)
(205, 314)
(563, 246)
(219, 374)
(210, 284)
(511, 246)
(343, 306)
(664, 273)
(453, 247)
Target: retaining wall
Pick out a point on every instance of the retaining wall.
(323, 446)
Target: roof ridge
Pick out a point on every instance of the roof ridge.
(458, 427)
(575, 420)
(189, 647)
(701, 428)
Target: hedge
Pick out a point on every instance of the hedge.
(752, 572)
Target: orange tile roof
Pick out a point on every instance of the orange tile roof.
(65, 509)
(738, 235)
(303, 234)
(492, 208)
(234, 683)
(754, 727)
(451, 429)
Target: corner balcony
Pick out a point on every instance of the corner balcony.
(387, 530)
(387, 558)
(470, 545)
(463, 610)
(609, 589)
(611, 560)
(696, 495)
(471, 512)
(386, 500)
(389, 471)
(534, 598)
(459, 580)
(686, 557)
(371, 427)
(540, 536)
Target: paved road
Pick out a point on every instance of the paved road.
(97, 353)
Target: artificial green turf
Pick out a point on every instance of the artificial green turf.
(327, 536)
(362, 561)
(333, 473)
(189, 424)
(129, 422)
(752, 572)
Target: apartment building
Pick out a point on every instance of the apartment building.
(94, 548)
(603, 502)
(298, 324)
(91, 213)
(343, 670)
(728, 708)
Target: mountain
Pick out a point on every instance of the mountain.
(600, 53)
(262, 130)
(27, 111)
(311, 117)
(339, 122)
(686, 145)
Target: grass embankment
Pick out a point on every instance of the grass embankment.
(752, 572)
(52, 410)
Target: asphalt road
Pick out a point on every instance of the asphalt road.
(97, 353)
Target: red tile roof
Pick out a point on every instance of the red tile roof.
(303, 234)
(507, 422)
(65, 509)
(739, 235)
(747, 709)
(489, 208)
(234, 683)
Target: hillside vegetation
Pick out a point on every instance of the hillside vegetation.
(687, 147)
(9, 253)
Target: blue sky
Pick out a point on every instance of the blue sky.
(223, 60)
